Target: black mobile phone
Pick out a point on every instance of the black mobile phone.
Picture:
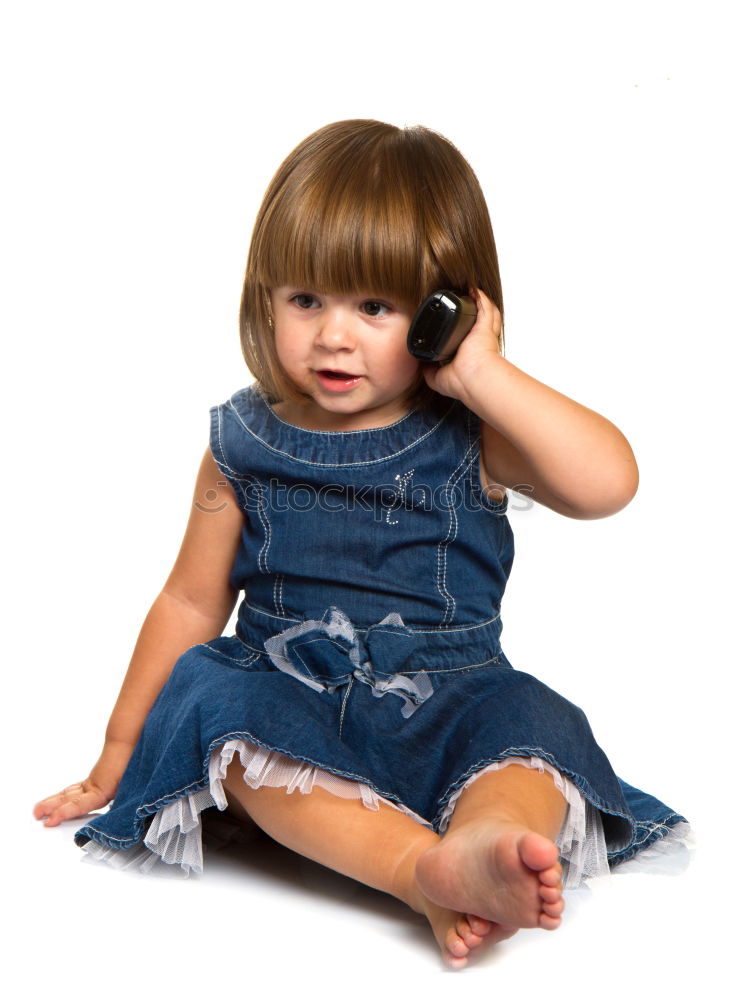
(439, 325)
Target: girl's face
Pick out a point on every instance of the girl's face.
(348, 353)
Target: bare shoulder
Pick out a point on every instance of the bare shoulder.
(201, 573)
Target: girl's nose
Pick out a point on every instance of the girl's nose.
(335, 332)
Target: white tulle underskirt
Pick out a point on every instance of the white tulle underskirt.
(175, 834)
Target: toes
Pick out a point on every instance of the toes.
(551, 876)
(550, 894)
(548, 923)
(478, 925)
(471, 938)
(455, 946)
(463, 930)
(538, 853)
(554, 909)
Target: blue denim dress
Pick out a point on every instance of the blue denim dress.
(367, 643)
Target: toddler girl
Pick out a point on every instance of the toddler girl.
(363, 713)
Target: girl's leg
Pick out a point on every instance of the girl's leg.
(498, 858)
(377, 847)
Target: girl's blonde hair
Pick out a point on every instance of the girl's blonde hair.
(362, 206)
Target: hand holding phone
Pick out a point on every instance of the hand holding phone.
(439, 325)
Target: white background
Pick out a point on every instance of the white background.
(138, 139)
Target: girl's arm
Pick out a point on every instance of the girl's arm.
(193, 606)
(534, 439)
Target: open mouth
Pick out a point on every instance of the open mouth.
(336, 381)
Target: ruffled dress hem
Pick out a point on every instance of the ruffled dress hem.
(174, 837)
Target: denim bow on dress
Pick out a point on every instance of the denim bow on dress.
(329, 653)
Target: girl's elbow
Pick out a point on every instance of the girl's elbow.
(627, 483)
(615, 494)
(619, 478)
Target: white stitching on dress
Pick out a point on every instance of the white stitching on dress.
(364, 430)
(451, 534)
(224, 465)
(244, 662)
(278, 593)
(261, 509)
(335, 465)
(265, 547)
(413, 628)
(344, 706)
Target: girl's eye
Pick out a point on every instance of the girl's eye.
(304, 300)
(374, 308)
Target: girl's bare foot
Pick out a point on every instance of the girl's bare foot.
(501, 871)
(460, 934)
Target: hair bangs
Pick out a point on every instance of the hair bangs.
(354, 231)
